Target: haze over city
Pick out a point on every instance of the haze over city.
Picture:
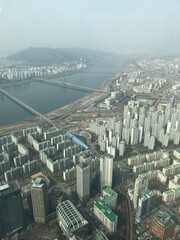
(90, 119)
(148, 25)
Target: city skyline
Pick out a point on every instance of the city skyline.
(90, 119)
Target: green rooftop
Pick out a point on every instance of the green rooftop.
(177, 228)
(106, 210)
(110, 195)
(148, 173)
(169, 167)
(143, 164)
(100, 236)
(177, 189)
(38, 180)
(144, 174)
(134, 157)
(110, 191)
(161, 173)
(123, 166)
(169, 191)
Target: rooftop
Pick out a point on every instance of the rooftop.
(109, 195)
(172, 166)
(123, 165)
(72, 218)
(39, 174)
(177, 228)
(143, 164)
(8, 187)
(177, 150)
(164, 219)
(161, 173)
(100, 236)
(83, 165)
(169, 191)
(53, 129)
(38, 180)
(147, 193)
(106, 210)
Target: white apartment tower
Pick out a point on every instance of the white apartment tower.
(106, 171)
(121, 148)
(140, 185)
(134, 135)
(83, 181)
(151, 143)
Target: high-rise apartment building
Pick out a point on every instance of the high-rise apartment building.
(40, 203)
(11, 210)
(83, 181)
(121, 148)
(106, 171)
(134, 136)
(140, 185)
(146, 203)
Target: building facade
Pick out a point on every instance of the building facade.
(162, 226)
(70, 220)
(146, 203)
(106, 171)
(11, 210)
(83, 181)
(106, 215)
(40, 203)
(140, 185)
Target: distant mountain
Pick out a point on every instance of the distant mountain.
(48, 56)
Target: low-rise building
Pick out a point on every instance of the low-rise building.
(100, 236)
(162, 226)
(171, 195)
(70, 220)
(176, 153)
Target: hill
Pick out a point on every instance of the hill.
(49, 56)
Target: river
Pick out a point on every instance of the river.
(46, 98)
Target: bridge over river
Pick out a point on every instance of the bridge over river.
(70, 86)
(26, 107)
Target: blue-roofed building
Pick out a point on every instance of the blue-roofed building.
(77, 140)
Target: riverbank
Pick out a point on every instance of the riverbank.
(62, 113)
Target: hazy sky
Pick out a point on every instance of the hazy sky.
(98, 24)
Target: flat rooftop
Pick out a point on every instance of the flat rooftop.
(110, 195)
(82, 165)
(164, 219)
(177, 150)
(100, 236)
(106, 210)
(8, 187)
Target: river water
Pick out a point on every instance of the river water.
(46, 98)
